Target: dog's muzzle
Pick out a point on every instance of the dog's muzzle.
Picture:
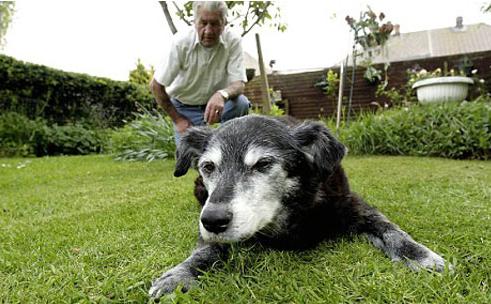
(215, 218)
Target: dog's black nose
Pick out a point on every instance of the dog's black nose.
(215, 218)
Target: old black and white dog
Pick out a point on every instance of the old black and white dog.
(281, 184)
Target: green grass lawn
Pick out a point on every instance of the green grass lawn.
(89, 229)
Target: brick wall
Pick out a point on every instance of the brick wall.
(307, 101)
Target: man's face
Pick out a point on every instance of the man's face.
(209, 27)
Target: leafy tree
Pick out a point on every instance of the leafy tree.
(6, 13)
(140, 75)
(246, 14)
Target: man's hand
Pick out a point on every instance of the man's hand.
(182, 124)
(214, 109)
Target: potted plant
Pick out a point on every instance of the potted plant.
(433, 87)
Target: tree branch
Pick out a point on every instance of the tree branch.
(180, 13)
(168, 17)
(259, 18)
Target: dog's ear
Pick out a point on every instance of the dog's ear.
(190, 148)
(321, 147)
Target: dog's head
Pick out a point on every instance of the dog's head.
(250, 167)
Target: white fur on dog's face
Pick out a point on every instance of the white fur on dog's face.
(211, 156)
(260, 183)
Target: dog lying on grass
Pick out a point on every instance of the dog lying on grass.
(281, 184)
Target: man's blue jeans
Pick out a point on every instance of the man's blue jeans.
(233, 108)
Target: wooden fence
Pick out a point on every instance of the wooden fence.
(307, 101)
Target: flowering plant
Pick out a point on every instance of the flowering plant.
(417, 74)
(369, 32)
(424, 74)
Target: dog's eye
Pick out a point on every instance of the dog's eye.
(208, 167)
(263, 165)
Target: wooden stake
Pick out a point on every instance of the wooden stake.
(264, 78)
(340, 93)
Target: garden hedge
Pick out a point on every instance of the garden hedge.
(63, 97)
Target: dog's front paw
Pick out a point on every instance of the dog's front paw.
(430, 261)
(433, 261)
(169, 281)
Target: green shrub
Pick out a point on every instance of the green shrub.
(21, 136)
(148, 137)
(18, 134)
(72, 139)
(274, 111)
(451, 130)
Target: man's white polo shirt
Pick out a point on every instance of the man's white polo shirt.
(192, 73)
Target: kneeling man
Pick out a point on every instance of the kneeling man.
(202, 79)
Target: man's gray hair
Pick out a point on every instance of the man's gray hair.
(212, 6)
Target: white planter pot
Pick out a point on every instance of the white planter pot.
(442, 89)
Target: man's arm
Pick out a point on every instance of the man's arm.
(235, 89)
(163, 100)
(214, 107)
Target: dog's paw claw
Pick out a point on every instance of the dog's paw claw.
(432, 262)
(178, 276)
